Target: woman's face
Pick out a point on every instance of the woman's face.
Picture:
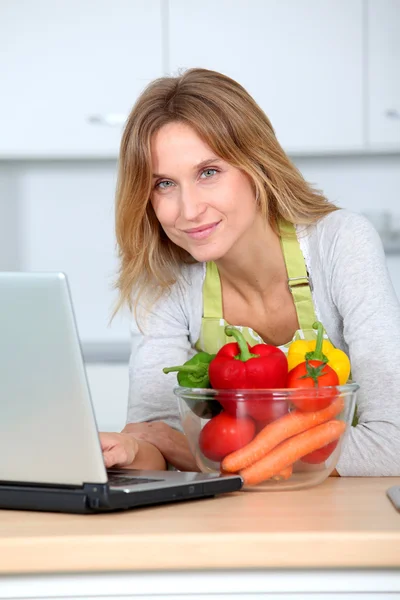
(203, 204)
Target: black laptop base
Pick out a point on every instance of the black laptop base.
(92, 498)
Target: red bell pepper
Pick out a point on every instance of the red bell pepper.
(238, 365)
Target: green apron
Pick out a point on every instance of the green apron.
(212, 334)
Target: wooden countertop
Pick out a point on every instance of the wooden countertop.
(345, 522)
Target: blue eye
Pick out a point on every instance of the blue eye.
(209, 173)
(163, 187)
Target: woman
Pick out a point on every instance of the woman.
(215, 225)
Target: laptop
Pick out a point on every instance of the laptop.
(50, 454)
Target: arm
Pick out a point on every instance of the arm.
(171, 444)
(370, 312)
(148, 457)
(166, 336)
(128, 451)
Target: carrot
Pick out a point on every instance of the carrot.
(284, 474)
(274, 433)
(291, 450)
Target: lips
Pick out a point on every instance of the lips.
(201, 228)
(202, 232)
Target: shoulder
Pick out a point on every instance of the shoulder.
(343, 232)
(188, 285)
(192, 276)
(178, 305)
(344, 255)
(346, 226)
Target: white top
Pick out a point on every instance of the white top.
(353, 298)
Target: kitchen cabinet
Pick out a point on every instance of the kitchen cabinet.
(326, 73)
(302, 60)
(383, 60)
(70, 72)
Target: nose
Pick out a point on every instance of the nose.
(191, 204)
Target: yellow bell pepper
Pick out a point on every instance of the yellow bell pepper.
(301, 350)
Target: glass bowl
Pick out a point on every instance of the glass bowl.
(277, 439)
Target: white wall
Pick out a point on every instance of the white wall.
(361, 183)
(366, 184)
(9, 219)
(60, 216)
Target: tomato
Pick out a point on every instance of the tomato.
(304, 377)
(266, 410)
(278, 409)
(224, 434)
(260, 409)
(235, 408)
(320, 455)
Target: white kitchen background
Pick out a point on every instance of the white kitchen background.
(327, 73)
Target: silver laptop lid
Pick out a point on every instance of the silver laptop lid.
(48, 431)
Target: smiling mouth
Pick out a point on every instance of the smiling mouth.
(203, 231)
(201, 228)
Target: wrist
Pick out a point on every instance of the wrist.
(172, 444)
(158, 434)
(147, 457)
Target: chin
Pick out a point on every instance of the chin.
(206, 254)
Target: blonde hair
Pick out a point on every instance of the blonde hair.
(227, 118)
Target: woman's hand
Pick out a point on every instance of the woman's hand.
(124, 450)
(119, 449)
(172, 444)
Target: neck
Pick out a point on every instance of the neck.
(256, 264)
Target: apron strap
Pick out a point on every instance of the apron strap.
(212, 297)
(298, 279)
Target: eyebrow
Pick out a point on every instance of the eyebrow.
(200, 165)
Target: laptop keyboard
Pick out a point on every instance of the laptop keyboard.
(122, 480)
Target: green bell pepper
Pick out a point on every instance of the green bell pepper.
(194, 374)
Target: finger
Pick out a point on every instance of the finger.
(107, 441)
(115, 457)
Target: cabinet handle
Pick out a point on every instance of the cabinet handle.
(108, 120)
(392, 113)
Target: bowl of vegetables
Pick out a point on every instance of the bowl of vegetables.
(278, 421)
